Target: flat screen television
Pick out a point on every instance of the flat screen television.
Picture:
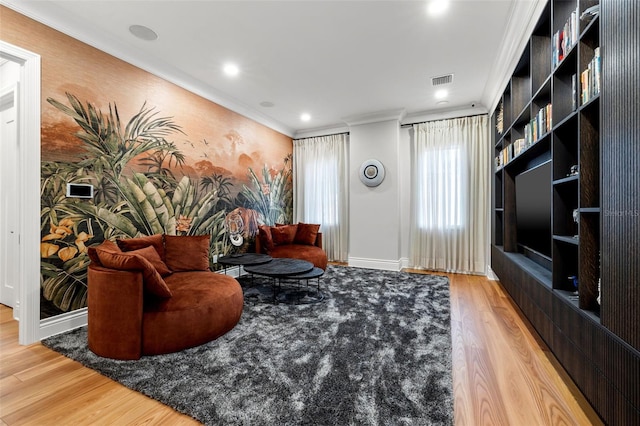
(533, 209)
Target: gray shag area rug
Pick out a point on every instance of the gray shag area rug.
(376, 350)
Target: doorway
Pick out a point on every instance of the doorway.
(25, 181)
(9, 208)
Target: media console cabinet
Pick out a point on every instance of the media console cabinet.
(572, 106)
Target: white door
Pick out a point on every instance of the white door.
(9, 217)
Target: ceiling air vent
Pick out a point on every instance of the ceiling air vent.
(443, 79)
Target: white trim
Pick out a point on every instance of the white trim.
(29, 186)
(404, 262)
(52, 16)
(321, 131)
(522, 20)
(233, 271)
(425, 116)
(375, 117)
(63, 323)
(383, 264)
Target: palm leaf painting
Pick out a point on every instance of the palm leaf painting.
(129, 203)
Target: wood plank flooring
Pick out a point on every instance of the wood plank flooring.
(502, 375)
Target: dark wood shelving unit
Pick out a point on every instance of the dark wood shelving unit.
(583, 300)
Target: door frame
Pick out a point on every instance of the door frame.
(28, 185)
(6, 263)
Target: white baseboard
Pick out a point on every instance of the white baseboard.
(62, 323)
(387, 265)
(404, 262)
(233, 271)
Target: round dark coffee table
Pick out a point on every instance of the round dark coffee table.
(243, 259)
(280, 269)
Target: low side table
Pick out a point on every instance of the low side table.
(314, 273)
(244, 259)
(279, 269)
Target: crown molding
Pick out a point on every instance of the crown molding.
(375, 117)
(444, 114)
(522, 21)
(321, 131)
(52, 16)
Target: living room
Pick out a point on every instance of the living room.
(219, 142)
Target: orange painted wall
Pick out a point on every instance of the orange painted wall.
(68, 65)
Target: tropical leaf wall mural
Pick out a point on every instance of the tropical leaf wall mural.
(140, 189)
(160, 158)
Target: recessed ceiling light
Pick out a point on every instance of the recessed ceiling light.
(305, 116)
(231, 69)
(441, 103)
(267, 104)
(143, 33)
(437, 7)
(441, 94)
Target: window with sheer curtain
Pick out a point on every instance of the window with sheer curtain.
(320, 189)
(450, 195)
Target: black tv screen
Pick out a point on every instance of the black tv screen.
(533, 208)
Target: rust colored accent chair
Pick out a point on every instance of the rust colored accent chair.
(155, 295)
(300, 241)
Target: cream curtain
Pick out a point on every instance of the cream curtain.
(451, 191)
(320, 189)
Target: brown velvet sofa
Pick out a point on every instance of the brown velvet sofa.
(299, 241)
(156, 295)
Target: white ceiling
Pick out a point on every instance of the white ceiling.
(336, 60)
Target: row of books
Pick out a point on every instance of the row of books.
(563, 40)
(538, 126)
(590, 78)
(509, 153)
(533, 130)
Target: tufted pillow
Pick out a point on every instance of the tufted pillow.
(106, 245)
(187, 252)
(153, 257)
(283, 234)
(126, 261)
(306, 234)
(266, 240)
(156, 241)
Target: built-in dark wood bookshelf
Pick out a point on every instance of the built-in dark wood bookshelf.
(582, 294)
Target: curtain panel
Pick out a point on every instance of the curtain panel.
(450, 195)
(320, 189)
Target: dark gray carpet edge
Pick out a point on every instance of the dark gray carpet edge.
(376, 351)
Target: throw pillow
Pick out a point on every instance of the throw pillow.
(283, 234)
(141, 242)
(125, 261)
(187, 252)
(153, 257)
(306, 234)
(106, 245)
(266, 240)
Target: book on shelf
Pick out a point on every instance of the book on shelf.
(574, 92)
(590, 78)
(564, 39)
(533, 131)
(500, 118)
(538, 126)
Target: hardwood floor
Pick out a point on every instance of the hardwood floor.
(502, 375)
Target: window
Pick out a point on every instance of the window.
(321, 189)
(443, 177)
